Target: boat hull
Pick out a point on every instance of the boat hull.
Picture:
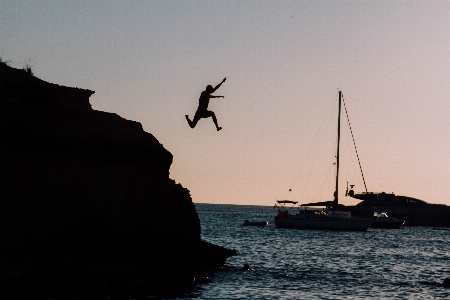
(324, 222)
(387, 225)
(261, 223)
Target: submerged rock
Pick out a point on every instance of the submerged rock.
(87, 204)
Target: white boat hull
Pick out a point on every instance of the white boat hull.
(324, 222)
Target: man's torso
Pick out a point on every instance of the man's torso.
(203, 101)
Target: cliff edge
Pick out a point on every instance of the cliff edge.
(87, 205)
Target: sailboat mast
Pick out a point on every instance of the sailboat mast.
(337, 153)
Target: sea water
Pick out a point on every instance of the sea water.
(406, 263)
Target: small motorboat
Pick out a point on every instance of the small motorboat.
(255, 223)
(382, 220)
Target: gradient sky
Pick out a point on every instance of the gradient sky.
(285, 62)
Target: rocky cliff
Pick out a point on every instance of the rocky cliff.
(87, 205)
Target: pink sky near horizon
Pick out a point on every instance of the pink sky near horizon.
(285, 62)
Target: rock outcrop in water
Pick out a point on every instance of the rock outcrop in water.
(87, 205)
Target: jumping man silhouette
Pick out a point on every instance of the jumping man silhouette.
(203, 102)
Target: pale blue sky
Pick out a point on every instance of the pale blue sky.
(285, 61)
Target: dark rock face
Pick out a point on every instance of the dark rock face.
(87, 204)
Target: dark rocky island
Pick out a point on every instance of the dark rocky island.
(87, 205)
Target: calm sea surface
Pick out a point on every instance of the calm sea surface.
(408, 263)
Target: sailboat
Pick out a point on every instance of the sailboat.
(328, 218)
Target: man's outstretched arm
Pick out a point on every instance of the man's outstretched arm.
(217, 86)
(211, 96)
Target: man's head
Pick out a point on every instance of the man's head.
(209, 89)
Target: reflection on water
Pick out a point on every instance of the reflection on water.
(291, 264)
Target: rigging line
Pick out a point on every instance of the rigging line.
(328, 119)
(323, 182)
(350, 151)
(354, 165)
(351, 131)
(310, 148)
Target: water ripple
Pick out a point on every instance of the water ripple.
(409, 263)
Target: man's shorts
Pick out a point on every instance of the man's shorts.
(203, 114)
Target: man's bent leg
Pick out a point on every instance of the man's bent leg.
(189, 122)
(195, 120)
(213, 116)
